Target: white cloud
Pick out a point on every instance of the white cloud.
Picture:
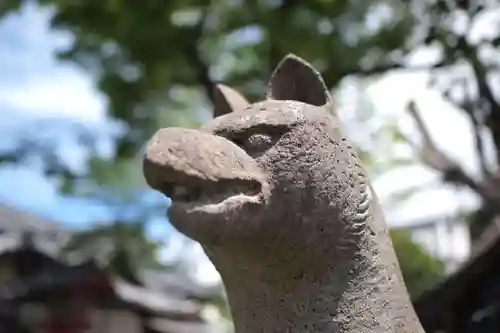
(64, 93)
(33, 81)
(451, 130)
(34, 85)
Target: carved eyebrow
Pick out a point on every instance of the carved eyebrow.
(273, 129)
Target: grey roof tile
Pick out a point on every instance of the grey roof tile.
(164, 294)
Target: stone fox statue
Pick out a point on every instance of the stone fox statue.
(276, 195)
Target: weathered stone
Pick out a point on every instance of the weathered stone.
(276, 195)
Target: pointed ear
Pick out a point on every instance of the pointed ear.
(227, 100)
(295, 79)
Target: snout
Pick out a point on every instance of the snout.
(187, 164)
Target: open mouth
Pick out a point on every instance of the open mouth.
(201, 171)
(210, 192)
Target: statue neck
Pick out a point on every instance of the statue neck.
(356, 290)
(368, 301)
(329, 280)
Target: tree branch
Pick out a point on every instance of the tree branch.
(471, 109)
(392, 66)
(203, 73)
(193, 55)
(452, 171)
(486, 97)
(478, 140)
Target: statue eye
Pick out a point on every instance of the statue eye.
(255, 144)
(260, 141)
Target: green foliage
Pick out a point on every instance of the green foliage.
(420, 270)
(143, 54)
(157, 62)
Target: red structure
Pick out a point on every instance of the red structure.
(68, 298)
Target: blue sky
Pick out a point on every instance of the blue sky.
(41, 97)
(44, 99)
(36, 90)
(35, 86)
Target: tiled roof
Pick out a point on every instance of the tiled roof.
(150, 301)
(18, 227)
(164, 294)
(175, 284)
(12, 219)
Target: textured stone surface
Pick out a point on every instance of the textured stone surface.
(275, 193)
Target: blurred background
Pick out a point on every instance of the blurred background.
(85, 246)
